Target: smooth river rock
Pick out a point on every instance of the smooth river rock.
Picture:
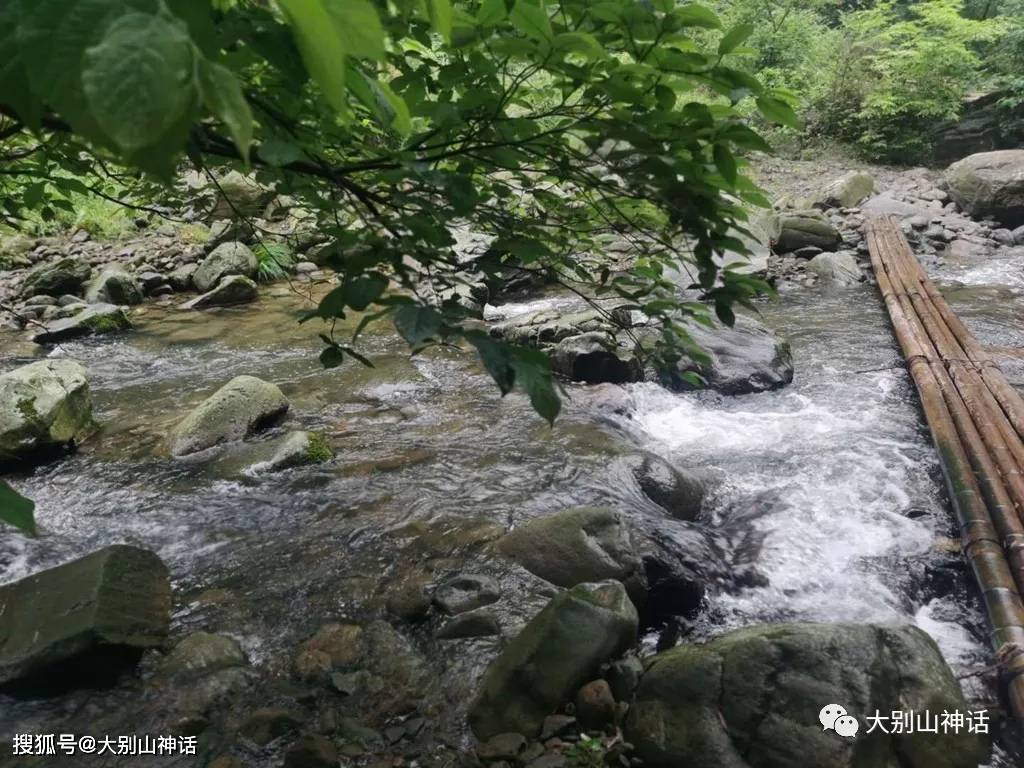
(990, 184)
(751, 699)
(94, 319)
(802, 228)
(238, 409)
(847, 190)
(44, 406)
(114, 285)
(103, 609)
(559, 650)
(231, 290)
(226, 259)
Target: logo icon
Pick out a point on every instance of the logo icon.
(834, 717)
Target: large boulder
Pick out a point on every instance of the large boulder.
(847, 190)
(558, 651)
(44, 406)
(752, 699)
(226, 259)
(231, 290)
(574, 546)
(840, 268)
(98, 611)
(64, 276)
(885, 204)
(678, 492)
(595, 358)
(95, 318)
(746, 358)
(239, 196)
(113, 285)
(990, 184)
(238, 409)
(800, 229)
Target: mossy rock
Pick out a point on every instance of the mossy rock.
(94, 319)
(66, 275)
(240, 408)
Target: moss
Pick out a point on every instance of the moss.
(115, 321)
(196, 234)
(318, 450)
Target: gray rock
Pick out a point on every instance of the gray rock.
(595, 358)
(298, 448)
(202, 653)
(239, 195)
(840, 268)
(44, 406)
(624, 675)
(503, 746)
(113, 285)
(111, 604)
(466, 592)
(678, 492)
(231, 290)
(805, 228)
(561, 648)
(887, 205)
(269, 723)
(743, 359)
(573, 546)
(94, 319)
(238, 409)
(180, 279)
(66, 275)
(226, 259)
(472, 624)
(1002, 236)
(595, 705)
(759, 691)
(847, 190)
(990, 184)
(1018, 235)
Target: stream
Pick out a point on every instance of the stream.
(829, 487)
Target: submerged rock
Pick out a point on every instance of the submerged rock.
(559, 650)
(759, 691)
(94, 613)
(990, 184)
(574, 546)
(298, 448)
(113, 285)
(746, 358)
(803, 228)
(67, 275)
(202, 653)
(226, 259)
(95, 318)
(44, 406)
(231, 290)
(238, 409)
(678, 492)
(466, 592)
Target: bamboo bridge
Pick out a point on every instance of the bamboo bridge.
(976, 420)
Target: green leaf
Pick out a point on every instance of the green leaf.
(278, 152)
(416, 323)
(223, 96)
(694, 15)
(140, 80)
(358, 25)
(533, 374)
(777, 111)
(361, 291)
(725, 162)
(16, 509)
(331, 357)
(14, 82)
(734, 38)
(491, 12)
(322, 48)
(580, 42)
(441, 17)
(387, 107)
(496, 357)
(531, 20)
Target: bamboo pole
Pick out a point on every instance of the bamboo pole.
(974, 444)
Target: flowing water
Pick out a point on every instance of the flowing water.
(829, 486)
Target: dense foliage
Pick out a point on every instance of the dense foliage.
(550, 128)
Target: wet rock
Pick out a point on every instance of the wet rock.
(311, 752)
(85, 618)
(743, 359)
(94, 319)
(624, 675)
(595, 358)
(226, 259)
(847, 190)
(503, 746)
(678, 492)
(409, 600)
(760, 690)
(269, 723)
(562, 647)
(202, 653)
(238, 409)
(44, 407)
(1003, 236)
(546, 327)
(231, 290)
(113, 285)
(990, 184)
(595, 705)
(334, 646)
(573, 546)
(472, 624)
(298, 448)
(557, 725)
(804, 228)
(66, 275)
(839, 268)
(466, 592)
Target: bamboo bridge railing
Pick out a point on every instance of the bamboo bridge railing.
(976, 420)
